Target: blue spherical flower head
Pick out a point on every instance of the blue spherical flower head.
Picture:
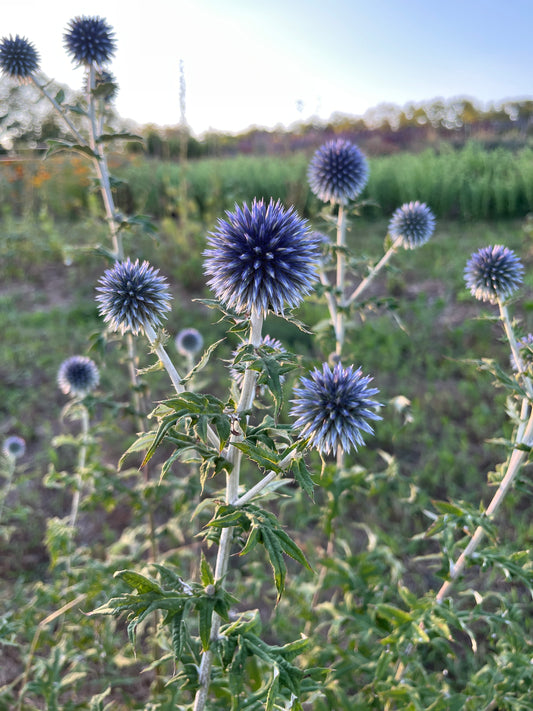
(77, 376)
(189, 342)
(413, 223)
(14, 447)
(261, 257)
(18, 57)
(333, 407)
(89, 40)
(338, 172)
(493, 273)
(132, 296)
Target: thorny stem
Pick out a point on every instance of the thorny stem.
(339, 323)
(60, 110)
(373, 272)
(82, 458)
(232, 492)
(524, 436)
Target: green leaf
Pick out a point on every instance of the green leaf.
(125, 136)
(393, 614)
(206, 573)
(206, 605)
(137, 581)
(290, 548)
(274, 549)
(303, 477)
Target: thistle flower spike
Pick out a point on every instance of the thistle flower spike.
(133, 296)
(261, 258)
(332, 407)
(89, 40)
(493, 273)
(338, 172)
(18, 57)
(413, 224)
(77, 376)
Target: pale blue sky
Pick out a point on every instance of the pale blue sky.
(249, 62)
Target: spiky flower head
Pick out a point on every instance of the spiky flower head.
(89, 40)
(14, 447)
(132, 296)
(261, 257)
(333, 407)
(493, 273)
(525, 350)
(18, 57)
(338, 172)
(413, 223)
(77, 376)
(189, 342)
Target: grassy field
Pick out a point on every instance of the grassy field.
(416, 338)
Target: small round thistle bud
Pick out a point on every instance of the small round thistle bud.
(189, 342)
(133, 295)
(77, 376)
(338, 172)
(89, 40)
(18, 57)
(412, 223)
(14, 447)
(332, 407)
(105, 85)
(262, 257)
(493, 273)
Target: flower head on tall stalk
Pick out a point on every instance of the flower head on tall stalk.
(333, 407)
(493, 274)
(261, 258)
(189, 342)
(14, 447)
(413, 224)
(89, 40)
(18, 57)
(133, 296)
(338, 172)
(77, 376)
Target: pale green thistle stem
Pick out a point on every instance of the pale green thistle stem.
(232, 493)
(82, 458)
(339, 324)
(60, 110)
(374, 272)
(524, 436)
(11, 464)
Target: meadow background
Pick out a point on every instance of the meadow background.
(473, 168)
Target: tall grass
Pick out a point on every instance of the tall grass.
(471, 183)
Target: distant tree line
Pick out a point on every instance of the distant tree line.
(383, 129)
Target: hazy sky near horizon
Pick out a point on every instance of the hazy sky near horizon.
(250, 63)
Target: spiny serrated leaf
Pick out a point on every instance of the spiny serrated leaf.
(290, 548)
(206, 573)
(139, 582)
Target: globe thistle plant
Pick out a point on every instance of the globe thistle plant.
(77, 376)
(338, 172)
(261, 258)
(14, 447)
(189, 342)
(133, 296)
(18, 57)
(525, 350)
(413, 224)
(89, 40)
(493, 273)
(333, 407)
